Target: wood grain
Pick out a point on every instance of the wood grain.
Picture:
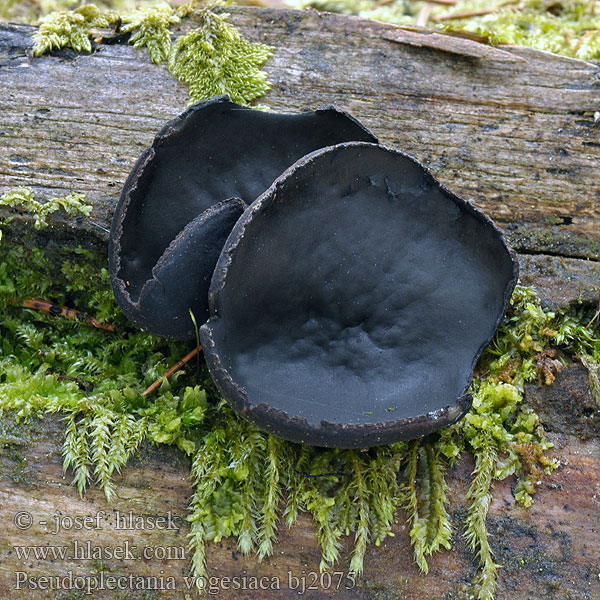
(510, 129)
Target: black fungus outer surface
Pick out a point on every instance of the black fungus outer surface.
(185, 193)
(352, 300)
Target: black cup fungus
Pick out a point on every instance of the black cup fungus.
(352, 300)
(186, 192)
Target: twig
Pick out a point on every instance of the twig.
(424, 14)
(584, 38)
(62, 311)
(444, 2)
(465, 14)
(172, 370)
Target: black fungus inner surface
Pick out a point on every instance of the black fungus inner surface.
(356, 291)
(215, 151)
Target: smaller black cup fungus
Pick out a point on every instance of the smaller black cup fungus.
(352, 299)
(186, 192)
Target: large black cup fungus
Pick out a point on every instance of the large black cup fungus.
(352, 300)
(187, 191)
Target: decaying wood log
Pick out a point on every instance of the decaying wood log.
(510, 129)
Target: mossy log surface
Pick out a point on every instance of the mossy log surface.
(548, 551)
(510, 129)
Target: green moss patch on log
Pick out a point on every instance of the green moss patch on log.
(212, 59)
(108, 419)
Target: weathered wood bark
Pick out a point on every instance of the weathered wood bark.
(510, 129)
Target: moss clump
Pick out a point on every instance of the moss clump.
(215, 59)
(571, 27)
(92, 376)
(23, 199)
(245, 480)
(150, 28)
(212, 59)
(31, 11)
(70, 29)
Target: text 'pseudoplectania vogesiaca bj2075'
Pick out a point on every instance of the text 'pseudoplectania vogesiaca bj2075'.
(347, 294)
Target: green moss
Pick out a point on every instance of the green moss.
(571, 28)
(215, 59)
(23, 200)
(212, 59)
(31, 11)
(245, 480)
(70, 29)
(150, 28)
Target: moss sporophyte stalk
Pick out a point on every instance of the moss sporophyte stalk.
(245, 480)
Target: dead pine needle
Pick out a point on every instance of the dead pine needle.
(583, 39)
(475, 13)
(444, 2)
(424, 14)
(172, 370)
(465, 14)
(62, 311)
